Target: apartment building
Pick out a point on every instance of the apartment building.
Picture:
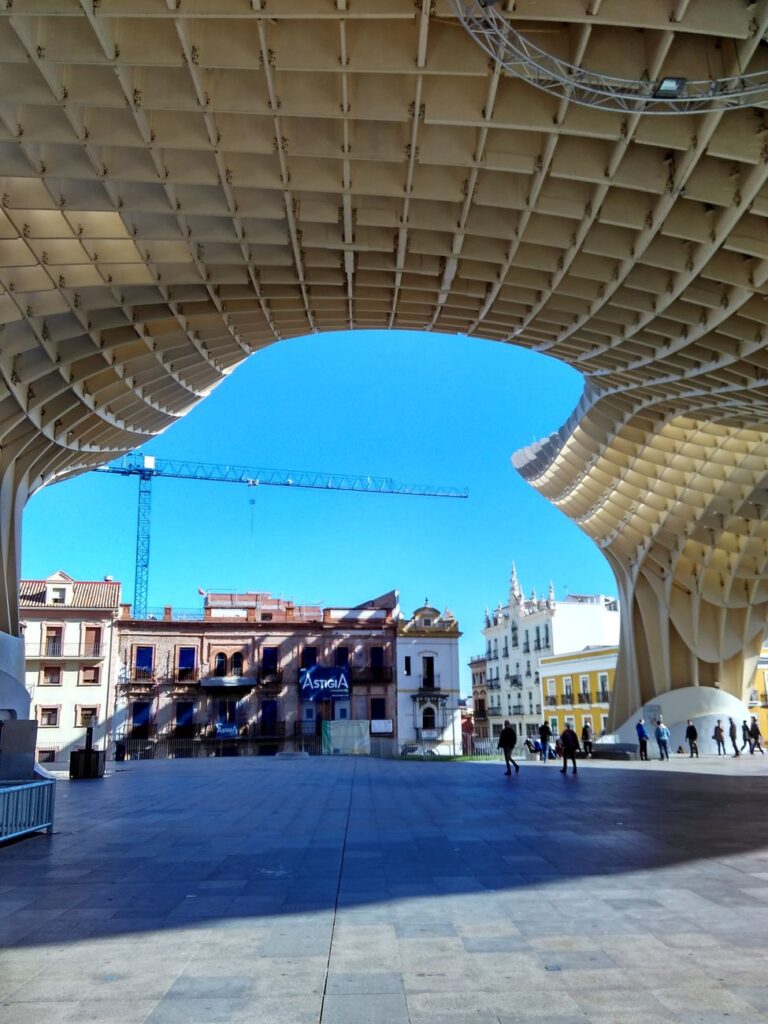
(521, 632)
(255, 665)
(577, 688)
(69, 638)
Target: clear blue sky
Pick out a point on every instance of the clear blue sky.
(423, 408)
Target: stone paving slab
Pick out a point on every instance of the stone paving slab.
(357, 891)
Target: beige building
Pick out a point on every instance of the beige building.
(69, 641)
(481, 697)
(252, 665)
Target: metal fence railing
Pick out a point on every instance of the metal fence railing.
(169, 747)
(26, 807)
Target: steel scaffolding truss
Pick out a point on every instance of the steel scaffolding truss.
(520, 57)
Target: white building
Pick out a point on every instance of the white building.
(520, 633)
(427, 658)
(70, 649)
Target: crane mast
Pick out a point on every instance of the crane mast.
(147, 467)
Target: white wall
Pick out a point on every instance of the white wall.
(445, 651)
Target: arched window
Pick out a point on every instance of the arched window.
(220, 664)
(237, 663)
(428, 718)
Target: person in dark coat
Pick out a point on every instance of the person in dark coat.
(507, 742)
(692, 738)
(733, 733)
(642, 739)
(570, 744)
(586, 739)
(719, 737)
(545, 735)
(755, 737)
(746, 739)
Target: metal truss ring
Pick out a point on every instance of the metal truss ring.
(521, 58)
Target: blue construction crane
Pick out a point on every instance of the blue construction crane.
(147, 467)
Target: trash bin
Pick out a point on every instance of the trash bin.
(87, 764)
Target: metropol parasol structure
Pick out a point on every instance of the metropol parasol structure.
(184, 182)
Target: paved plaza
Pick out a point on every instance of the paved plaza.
(358, 891)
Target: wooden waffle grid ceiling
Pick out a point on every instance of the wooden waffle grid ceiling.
(187, 181)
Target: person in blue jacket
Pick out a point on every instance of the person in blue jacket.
(642, 736)
(662, 738)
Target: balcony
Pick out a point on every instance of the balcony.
(603, 697)
(493, 684)
(517, 709)
(584, 698)
(505, 653)
(494, 710)
(568, 699)
(481, 715)
(516, 680)
(526, 648)
(537, 645)
(186, 675)
(372, 674)
(429, 682)
(142, 675)
(551, 702)
(57, 649)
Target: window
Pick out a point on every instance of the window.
(236, 663)
(308, 657)
(144, 662)
(309, 713)
(46, 756)
(343, 714)
(428, 672)
(92, 642)
(407, 664)
(546, 634)
(186, 663)
(554, 726)
(604, 723)
(51, 676)
(584, 680)
(378, 708)
(514, 636)
(377, 658)
(341, 656)
(87, 716)
(53, 638)
(567, 687)
(49, 717)
(90, 676)
(58, 595)
(220, 664)
(427, 622)
(269, 660)
(266, 616)
(551, 688)
(570, 720)
(428, 718)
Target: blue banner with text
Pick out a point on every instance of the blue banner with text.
(321, 682)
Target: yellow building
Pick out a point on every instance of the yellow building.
(576, 687)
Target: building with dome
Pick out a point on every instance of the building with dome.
(427, 658)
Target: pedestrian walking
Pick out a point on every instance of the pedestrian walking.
(642, 739)
(586, 738)
(507, 743)
(755, 737)
(746, 738)
(662, 738)
(733, 733)
(719, 737)
(545, 735)
(692, 738)
(570, 744)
